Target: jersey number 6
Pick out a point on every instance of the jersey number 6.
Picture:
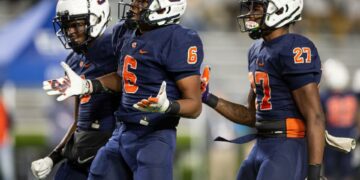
(129, 78)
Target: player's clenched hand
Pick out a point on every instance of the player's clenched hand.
(207, 97)
(160, 103)
(41, 168)
(204, 86)
(74, 85)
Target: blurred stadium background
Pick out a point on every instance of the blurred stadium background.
(30, 53)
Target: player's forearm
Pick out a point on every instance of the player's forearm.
(236, 113)
(307, 99)
(190, 108)
(55, 155)
(190, 102)
(316, 137)
(111, 81)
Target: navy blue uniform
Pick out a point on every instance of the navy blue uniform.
(340, 109)
(276, 68)
(146, 141)
(96, 121)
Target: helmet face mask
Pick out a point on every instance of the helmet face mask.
(67, 27)
(251, 18)
(78, 22)
(133, 13)
(275, 14)
(151, 12)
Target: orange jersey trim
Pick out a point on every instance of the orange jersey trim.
(295, 128)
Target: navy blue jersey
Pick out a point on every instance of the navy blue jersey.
(97, 61)
(340, 109)
(168, 53)
(278, 67)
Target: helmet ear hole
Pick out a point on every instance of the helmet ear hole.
(160, 11)
(280, 11)
(298, 17)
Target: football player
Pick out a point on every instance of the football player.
(81, 26)
(159, 65)
(283, 103)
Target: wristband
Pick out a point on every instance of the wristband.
(212, 100)
(314, 171)
(174, 108)
(96, 87)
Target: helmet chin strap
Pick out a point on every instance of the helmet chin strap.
(255, 34)
(259, 33)
(81, 48)
(129, 22)
(254, 29)
(259, 29)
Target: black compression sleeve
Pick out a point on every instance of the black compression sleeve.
(212, 101)
(55, 156)
(174, 108)
(98, 88)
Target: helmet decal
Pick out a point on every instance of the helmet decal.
(157, 13)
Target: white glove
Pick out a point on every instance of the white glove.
(56, 86)
(160, 103)
(41, 168)
(74, 85)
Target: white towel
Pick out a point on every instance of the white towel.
(340, 143)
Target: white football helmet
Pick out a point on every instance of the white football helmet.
(158, 12)
(96, 13)
(276, 14)
(336, 74)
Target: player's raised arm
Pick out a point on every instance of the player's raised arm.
(75, 85)
(234, 112)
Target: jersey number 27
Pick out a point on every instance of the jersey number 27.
(262, 79)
